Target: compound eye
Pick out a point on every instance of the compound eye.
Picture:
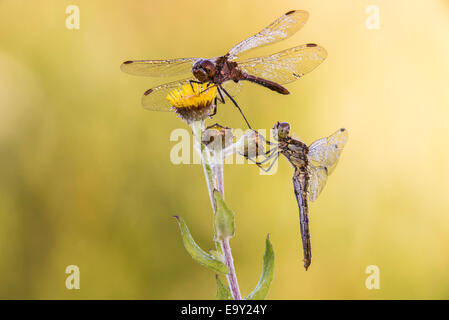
(209, 68)
(284, 128)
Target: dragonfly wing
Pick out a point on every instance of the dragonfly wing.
(281, 29)
(155, 99)
(325, 152)
(233, 88)
(286, 66)
(159, 68)
(318, 179)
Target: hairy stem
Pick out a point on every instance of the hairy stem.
(197, 128)
(214, 180)
(231, 276)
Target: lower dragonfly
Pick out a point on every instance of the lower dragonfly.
(312, 166)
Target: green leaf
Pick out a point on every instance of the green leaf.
(218, 256)
(198, 254)
(261, 290)
(223, 292)
(223, 219)
(218, 247)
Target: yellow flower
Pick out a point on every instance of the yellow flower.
(193, 102)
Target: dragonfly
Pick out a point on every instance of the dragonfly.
(226, 72)
(312, 165)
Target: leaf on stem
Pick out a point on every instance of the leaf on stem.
(223, 219)
(218, 256)
(223, 292)
(261, 290)
(198, 254)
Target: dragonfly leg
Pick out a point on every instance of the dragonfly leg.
(267, 141)
(235, 103)
(268, 152)
(270, 143)
(275, 156)
(221, 99)
(215, 109)
(217, 98)
(210, 86)
(269, 155)
(193, 81)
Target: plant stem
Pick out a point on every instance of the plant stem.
(218, 172)
(214, 180)
(231, 276)
(197, 128)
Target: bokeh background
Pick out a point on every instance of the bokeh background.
(86, 177)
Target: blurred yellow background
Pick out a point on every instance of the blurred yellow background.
(86, 178)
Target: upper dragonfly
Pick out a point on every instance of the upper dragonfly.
(312, 166)
(225, 72)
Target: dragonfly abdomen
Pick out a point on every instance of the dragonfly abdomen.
(301, 184)
(266, 83)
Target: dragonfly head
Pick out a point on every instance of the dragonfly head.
(204, 70)
(281, 130)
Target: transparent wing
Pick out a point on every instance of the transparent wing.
(155, 99)
(325, 152)
(285, 66)
(318, 179)
(159, 68)
(233, 88)
(281, 29)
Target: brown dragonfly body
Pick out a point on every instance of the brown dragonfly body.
(227, 72)
(312, 165)
(221, 69)
(296, 153)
